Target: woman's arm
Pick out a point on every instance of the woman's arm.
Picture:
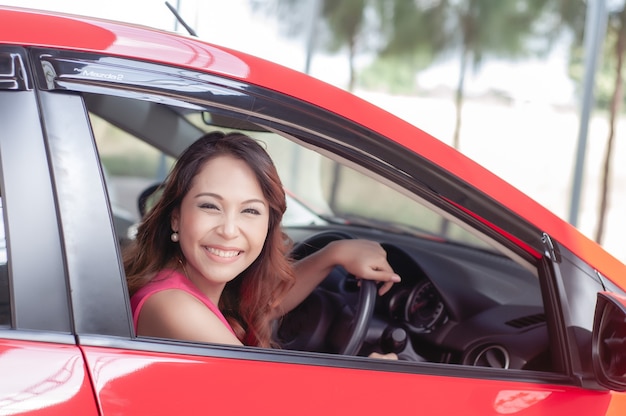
(364, 259)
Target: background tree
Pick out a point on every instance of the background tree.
(608, 86)
(410, 39)
(615, 45)
(405, 36)
(471, 29)
(350, 25)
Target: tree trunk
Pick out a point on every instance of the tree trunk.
(458, 100)
(351, 55)
(616, 101)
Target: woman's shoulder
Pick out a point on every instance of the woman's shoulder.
(177, 314)
(169, 302)
(161, 281)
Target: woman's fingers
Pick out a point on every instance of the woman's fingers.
(388, 278)
(385, 288)
(389, 356)
(367, 259)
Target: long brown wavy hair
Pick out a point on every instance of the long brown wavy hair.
(247, 301)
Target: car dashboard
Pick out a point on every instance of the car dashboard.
(455, 305)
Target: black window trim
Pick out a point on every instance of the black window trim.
(99, 298)
(37, 285)
(255, 104)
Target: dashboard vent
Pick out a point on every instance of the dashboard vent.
(526, 321)
(492, 356)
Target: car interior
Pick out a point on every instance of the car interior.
(464, 299)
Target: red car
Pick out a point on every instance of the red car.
(503, 308)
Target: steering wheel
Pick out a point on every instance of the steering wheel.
(362, 318)
(314, 324)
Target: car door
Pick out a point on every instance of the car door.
(133, 375)
(42, 370)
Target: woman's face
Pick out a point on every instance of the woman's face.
(222, 223)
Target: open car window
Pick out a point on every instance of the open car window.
(465, 298)
(319, 189)
(474, 276)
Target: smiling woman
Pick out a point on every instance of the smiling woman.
(209, 225)
(222, 206)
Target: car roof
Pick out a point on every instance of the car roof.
(28, 27)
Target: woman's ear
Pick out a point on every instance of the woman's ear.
(174, 218)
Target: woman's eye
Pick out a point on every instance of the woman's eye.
(208, 205)
(252, 211)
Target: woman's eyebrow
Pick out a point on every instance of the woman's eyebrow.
(217, 196)
(211, 194)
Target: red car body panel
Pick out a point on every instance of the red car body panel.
(245, 383)
(44, 379)
(221, 385)
(100, 36)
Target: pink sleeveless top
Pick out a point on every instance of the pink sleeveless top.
(171, 279)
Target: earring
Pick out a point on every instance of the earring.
(174, 237)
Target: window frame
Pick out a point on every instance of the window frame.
(36, 271)
(310, 125)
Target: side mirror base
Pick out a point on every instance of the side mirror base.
(608, 343)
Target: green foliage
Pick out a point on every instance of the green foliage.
(478, 28)
(346, 21)
(604, 86)
(122, 154)
(569, 15)
(135, 165)
(404, 33)
(393, 76)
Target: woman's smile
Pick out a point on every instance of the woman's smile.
(223, 253)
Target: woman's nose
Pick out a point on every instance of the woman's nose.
(229, 227)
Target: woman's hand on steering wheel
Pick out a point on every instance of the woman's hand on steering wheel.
(387, 356)
(365, 259)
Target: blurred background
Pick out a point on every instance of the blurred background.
(530, 89)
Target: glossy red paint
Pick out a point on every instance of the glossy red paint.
(43, 379)
(39, 28)
(218, 386)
